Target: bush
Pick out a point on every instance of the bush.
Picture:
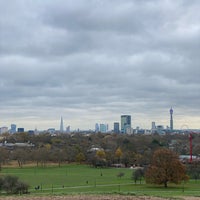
(22, 188)
(12, 185)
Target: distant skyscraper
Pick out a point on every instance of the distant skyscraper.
(153, 127)
(4, 129)
(103, 128)
(61, 125)
(116, 127)
(96, 127)
(171, 119)
(68, 129)
(125, 123)
(20, 130)
(13, 128)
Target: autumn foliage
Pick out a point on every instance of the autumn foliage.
(165, 167)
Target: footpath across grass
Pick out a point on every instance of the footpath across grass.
(83, 179)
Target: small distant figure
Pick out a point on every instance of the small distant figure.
(37, 187)
(86, 182)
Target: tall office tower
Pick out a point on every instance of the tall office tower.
(61, 125)
(68, 129)
(107, 127)
(103, 128)
(4, 129)
(13, 128)
(20, 130)
(153, 127)
(116, 127)
(125, 123)
(96, 127)
(171, 119)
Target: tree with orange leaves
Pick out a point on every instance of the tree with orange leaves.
(165, 168)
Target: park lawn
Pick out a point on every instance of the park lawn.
(69, 176)
(83, 179)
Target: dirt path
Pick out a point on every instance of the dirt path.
(92, 197)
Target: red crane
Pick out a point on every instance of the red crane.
(190, 137)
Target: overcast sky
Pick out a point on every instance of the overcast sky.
(91, 61)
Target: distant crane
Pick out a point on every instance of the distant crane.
(190, 138)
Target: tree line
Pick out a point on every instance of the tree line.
(95, 149)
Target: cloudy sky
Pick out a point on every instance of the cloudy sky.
(91, 61)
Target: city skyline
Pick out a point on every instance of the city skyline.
(124, 125)
(95, 61)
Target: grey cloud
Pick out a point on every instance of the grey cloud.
(97, 58)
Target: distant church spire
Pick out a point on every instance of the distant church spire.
(61, 125)
(171, 119)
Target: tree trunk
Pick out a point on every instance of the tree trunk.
(165, 184)
(19, 163)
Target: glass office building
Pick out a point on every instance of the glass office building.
(125, 123)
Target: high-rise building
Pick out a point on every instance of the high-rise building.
(4, 129)
(103, 128)
(68, 129)
(125, 123)
(96, 127)
(13, 128)
(107, 127)
(116, 127)
(171, 119)
(61, 125)
(20, 130)
(153, 127)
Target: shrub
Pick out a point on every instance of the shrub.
(12, 185)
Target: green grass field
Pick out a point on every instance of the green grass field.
(76, 179)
